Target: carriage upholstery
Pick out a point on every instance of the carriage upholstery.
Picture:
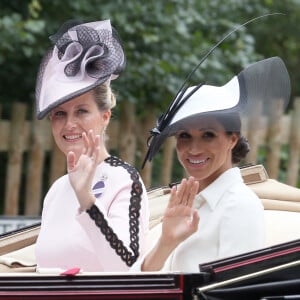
(281, 206)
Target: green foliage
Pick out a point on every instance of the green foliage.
(19, 51)
(164, 40)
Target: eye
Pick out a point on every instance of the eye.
(81, 111)
(57, 114)
(183, 135)
(209, 134)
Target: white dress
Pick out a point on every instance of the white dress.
(231, 223)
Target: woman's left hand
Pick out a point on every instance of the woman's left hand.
(82, 170)
(180, 220)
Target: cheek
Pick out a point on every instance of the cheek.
(56, 135)
(181, 148)
(56, 128)
(224, 147)
(179, 156)
(92, 123)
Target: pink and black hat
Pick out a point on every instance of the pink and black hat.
(84, 56)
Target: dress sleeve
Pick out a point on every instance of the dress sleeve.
(118, 231)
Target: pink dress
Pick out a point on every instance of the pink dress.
(108, 237)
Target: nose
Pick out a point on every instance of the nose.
(70, 122)
(195, 146)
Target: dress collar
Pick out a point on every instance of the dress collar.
(214, 192)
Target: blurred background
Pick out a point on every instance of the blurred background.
(163, 41)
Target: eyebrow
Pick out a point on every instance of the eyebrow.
(76, 106)
(207, 128)
(199, 129)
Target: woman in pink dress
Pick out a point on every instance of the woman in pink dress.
(94, 218)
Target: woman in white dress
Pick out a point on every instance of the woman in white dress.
(206, 123)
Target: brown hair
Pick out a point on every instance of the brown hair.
(232, 124)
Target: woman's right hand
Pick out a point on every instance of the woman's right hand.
(81, 170)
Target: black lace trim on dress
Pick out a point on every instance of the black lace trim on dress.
(134, 213)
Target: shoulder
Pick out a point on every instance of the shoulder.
(61, 188)
(118, 163)
(236, 186)
(60, 183)
(242, 197)
(121, 174)
(121, 182)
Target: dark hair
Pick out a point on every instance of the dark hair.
(240, 150)
(232, 124)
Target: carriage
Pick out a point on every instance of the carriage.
(272, 272)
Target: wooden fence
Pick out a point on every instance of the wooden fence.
(30, 161)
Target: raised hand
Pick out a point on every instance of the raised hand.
(180, 219)
(81, 170)
(179, 222)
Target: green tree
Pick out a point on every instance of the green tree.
(164, 40)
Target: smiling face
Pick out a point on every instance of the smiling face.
(72, 118)
(205, 153)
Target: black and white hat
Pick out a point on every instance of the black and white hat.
(262, 84)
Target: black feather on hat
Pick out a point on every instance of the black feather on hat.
(261, 84)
